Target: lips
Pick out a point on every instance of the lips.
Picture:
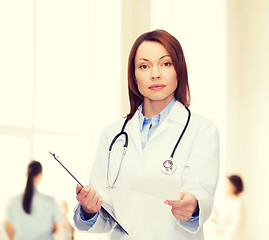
(156, 87)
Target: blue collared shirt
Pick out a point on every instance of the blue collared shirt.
(91, 221)
(39, 224)
(149, 125)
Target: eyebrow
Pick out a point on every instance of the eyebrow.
(159, 58)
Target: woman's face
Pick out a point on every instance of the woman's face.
(156, 77)
(230, 188)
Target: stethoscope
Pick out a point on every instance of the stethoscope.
(168, 166)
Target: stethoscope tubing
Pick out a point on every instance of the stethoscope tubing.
(122, 132)
(182, 133)
(167, 170)
(115, 139)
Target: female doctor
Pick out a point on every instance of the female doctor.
(160, 140)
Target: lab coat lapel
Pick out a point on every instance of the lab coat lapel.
(134, 132)
(178, 114)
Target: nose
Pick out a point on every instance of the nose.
(156, 74)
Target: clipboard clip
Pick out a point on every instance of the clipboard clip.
(59, 161)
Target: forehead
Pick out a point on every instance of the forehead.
(150, 50)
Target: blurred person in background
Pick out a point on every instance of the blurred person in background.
(32, 215)
(4, 227)
(3, 233)
(227, 217)
(66, 230)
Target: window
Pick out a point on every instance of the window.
(59, 80)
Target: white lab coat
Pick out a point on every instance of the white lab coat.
(227, 220)
(143, 216)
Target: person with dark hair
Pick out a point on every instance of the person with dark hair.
(235, 185)
(227, 218)
(160, 139)
(33, 215)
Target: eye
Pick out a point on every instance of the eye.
(144, 66)
(167, 64)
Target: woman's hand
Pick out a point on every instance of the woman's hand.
(90, 201)
(184, 208)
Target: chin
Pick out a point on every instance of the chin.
(160, 98)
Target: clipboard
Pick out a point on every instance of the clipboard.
(103, 207)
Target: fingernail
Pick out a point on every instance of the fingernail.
(166, 202)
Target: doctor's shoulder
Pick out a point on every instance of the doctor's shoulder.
(203, 125)
(114, 128)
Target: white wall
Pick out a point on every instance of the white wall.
(248, 98)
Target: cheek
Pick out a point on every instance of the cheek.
(141, 86)
(173, 80)
(140, 80)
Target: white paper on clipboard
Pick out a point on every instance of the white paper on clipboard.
(162, 188)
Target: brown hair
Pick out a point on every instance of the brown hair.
(237, 181)
(34, 168)
(173, 47)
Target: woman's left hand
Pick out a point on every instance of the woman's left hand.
(184, 208)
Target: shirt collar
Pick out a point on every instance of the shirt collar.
(160, 117)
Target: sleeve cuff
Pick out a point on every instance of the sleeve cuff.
(195, 216)
(193, 219)
(89, 222)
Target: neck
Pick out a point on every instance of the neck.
(152, 108)
(232, 195)
(37, 179)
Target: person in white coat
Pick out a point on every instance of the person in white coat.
(159, 97)
(227, 220)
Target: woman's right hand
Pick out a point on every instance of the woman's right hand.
(90, 201)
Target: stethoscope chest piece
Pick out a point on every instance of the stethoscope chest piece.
(168, 166)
